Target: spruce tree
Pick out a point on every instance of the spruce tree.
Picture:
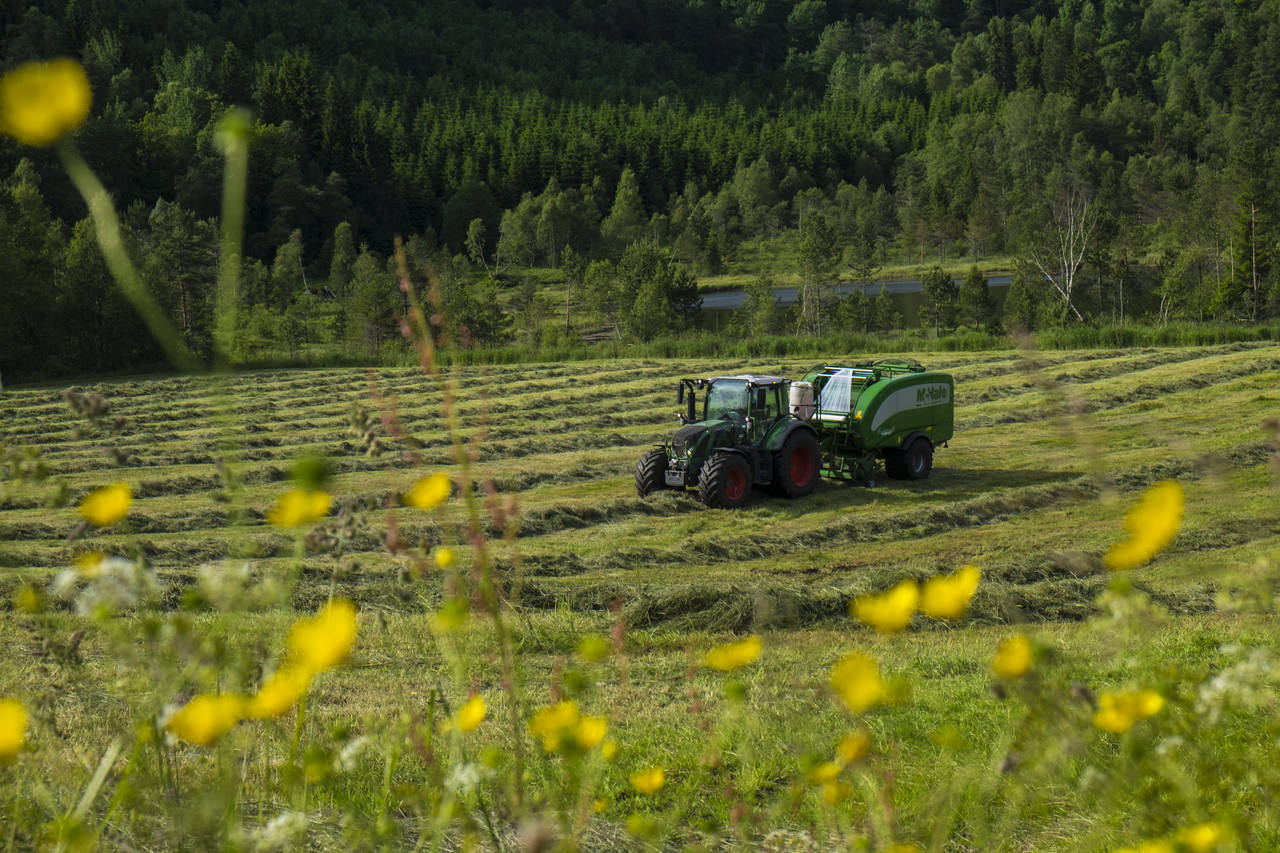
(344, 255)
(977, 309)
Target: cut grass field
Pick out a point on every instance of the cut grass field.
(1050, 451)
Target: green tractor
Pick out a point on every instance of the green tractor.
(736, 434)
(840, 422)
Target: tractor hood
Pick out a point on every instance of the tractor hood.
(687, 436)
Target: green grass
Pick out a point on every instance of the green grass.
(1051, 449)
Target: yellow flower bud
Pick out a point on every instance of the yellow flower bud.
(13, 728)
(429, 492)
(40, 102)
(105, 506)
(891, 611)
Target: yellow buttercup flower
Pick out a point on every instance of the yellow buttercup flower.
(1013, 657)
(890, 611)
(279, 693)
(591, 731)
(948, 596)
(1201, 838)
(445, 557)
(825, 772)
(471, 714)
(26, 599)
(40, 102)
(1152, 524)
(300, 506)
(105, 506)
(731, 656)
(1117, 712)
(853, 746)
(89, 564)
(609, 750)
(856, 680)
(649, 781)
(836, 791)
(325, 640)
(554, 723)
(13, 728)
(206, 718)
(430, 491)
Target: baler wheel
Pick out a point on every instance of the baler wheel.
(724, 481)
(651, 471)
(795, 468)
(918, 459)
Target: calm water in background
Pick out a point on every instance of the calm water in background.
(907, 296)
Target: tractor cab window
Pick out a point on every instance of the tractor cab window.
(727, 400)
(766, 403)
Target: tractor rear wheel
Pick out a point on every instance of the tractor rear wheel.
(795, 467)
(724, 481)
(651, 472)
(918, 459)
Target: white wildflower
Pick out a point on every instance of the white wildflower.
(113, 584)
(346, 760)
(282, 831)
(463, 779)
(1247, 685)
(223, 583)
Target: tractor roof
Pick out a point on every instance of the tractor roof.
(754, 378)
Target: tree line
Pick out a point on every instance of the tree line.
(501, 136)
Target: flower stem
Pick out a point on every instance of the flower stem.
(107, 227)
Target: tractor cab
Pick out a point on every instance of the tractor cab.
(734, 430)
(746, 404)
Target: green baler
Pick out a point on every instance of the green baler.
(752, 430)
(891, 409)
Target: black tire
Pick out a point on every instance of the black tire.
(724, 481)
(796, 466)
(651, 472)
(918, 459)
(895, 464)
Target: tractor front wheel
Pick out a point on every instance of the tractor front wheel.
(651, 472)
(724, 481)
(795, 467)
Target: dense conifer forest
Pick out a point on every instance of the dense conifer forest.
(1120, 156)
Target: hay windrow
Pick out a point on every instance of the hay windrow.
(561, 441)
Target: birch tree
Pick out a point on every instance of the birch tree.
(1070, 222)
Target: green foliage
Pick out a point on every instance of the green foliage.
(626, 220)
(654, 295)
(941, 297)
(975, 307)
(759, 315)
(286, 271)
(344, 256)
(373, 298)
(1021, 303)
(918, 133)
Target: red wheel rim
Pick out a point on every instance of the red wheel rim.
(735, 485)
(801, 466)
